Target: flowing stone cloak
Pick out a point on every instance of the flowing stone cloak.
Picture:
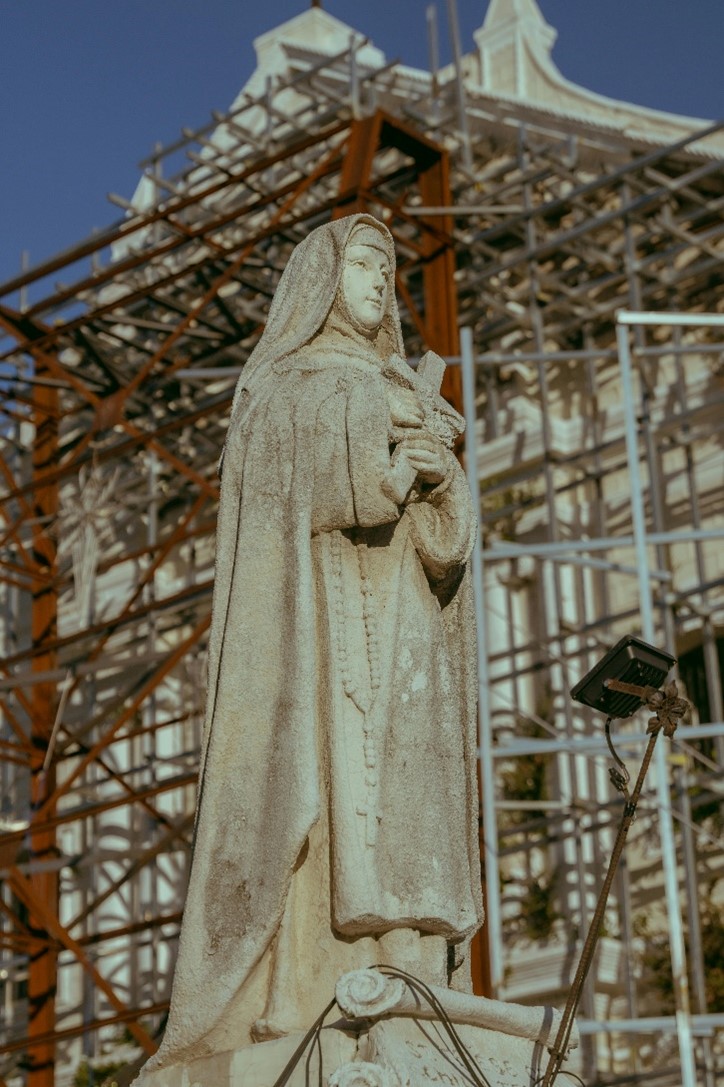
(303, 495)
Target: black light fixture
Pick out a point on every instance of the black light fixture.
(632, 662)
(626, 679)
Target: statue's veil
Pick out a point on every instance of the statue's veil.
(304, 298)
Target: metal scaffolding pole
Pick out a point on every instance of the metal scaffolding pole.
(493, 928)
(626, 320)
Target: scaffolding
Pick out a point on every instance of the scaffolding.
(599, 466)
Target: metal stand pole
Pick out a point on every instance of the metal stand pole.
(669, 708)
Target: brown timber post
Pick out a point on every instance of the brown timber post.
(357, 185)
(43, 700)
(438, 272)
(357, 192)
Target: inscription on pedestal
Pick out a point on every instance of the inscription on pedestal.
(419, 1054)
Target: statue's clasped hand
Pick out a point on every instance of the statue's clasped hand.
(427, 456)
(424, 453)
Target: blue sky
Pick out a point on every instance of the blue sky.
(88, 86)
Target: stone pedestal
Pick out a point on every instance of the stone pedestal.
(390, 1035)
(414, 1052)
(392, 1053)
(262, 1064)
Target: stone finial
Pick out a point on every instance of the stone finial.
(363, 994)
(363, 1074)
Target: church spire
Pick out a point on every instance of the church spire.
(513, 38)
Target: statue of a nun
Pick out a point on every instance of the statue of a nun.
(337, 821)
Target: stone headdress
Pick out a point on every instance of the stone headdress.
(304, 299)
(302, 305)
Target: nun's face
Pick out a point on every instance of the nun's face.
(365, 284)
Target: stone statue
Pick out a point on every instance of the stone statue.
(337, 822)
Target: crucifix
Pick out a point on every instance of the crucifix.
(369, 811)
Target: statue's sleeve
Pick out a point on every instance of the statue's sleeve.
(356, 482)
(443, 523)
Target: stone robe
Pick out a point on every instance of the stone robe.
(339, 794)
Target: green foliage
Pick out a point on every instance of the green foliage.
(538, 913)
(707, 808)
(656, 960)
(91, 1076)
(103, 1072)
(503, 509)
(525, 778)
(712, 938)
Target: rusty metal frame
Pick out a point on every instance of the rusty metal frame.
(114, 429)
(435, 249)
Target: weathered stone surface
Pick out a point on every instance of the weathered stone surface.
(337, 824)
(259, 1065)
(392, 1053)
(338, 803)
(370, 994)
(416, 1054)
(362, 1074)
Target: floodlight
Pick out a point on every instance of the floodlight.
(631, 661)
(628, 677)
